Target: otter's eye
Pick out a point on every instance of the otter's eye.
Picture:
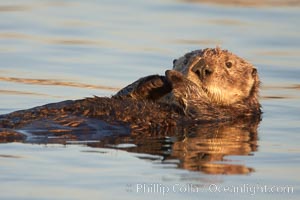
(185, 62)
(228, 64)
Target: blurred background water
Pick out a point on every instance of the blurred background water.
(56, 50)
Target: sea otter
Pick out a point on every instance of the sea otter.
(216, 77)
(205, 86)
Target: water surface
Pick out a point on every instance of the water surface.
(56, 50)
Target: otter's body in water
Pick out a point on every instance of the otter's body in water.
(209, 85)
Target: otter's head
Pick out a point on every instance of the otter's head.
(226, 78)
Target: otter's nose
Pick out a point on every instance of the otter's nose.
(202, 70)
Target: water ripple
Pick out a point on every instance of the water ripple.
(52, 40)
(15, 92)
(55, 83)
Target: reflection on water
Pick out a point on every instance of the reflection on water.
(203, 148)
(199, 148)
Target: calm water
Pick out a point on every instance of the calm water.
(56, 50)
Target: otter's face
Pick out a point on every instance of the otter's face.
(225, 77)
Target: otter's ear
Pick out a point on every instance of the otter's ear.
(174, 61)
(254, 72)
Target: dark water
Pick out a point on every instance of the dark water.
(56, 50)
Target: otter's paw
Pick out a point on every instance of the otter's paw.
(153, 87)
(146, 88)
